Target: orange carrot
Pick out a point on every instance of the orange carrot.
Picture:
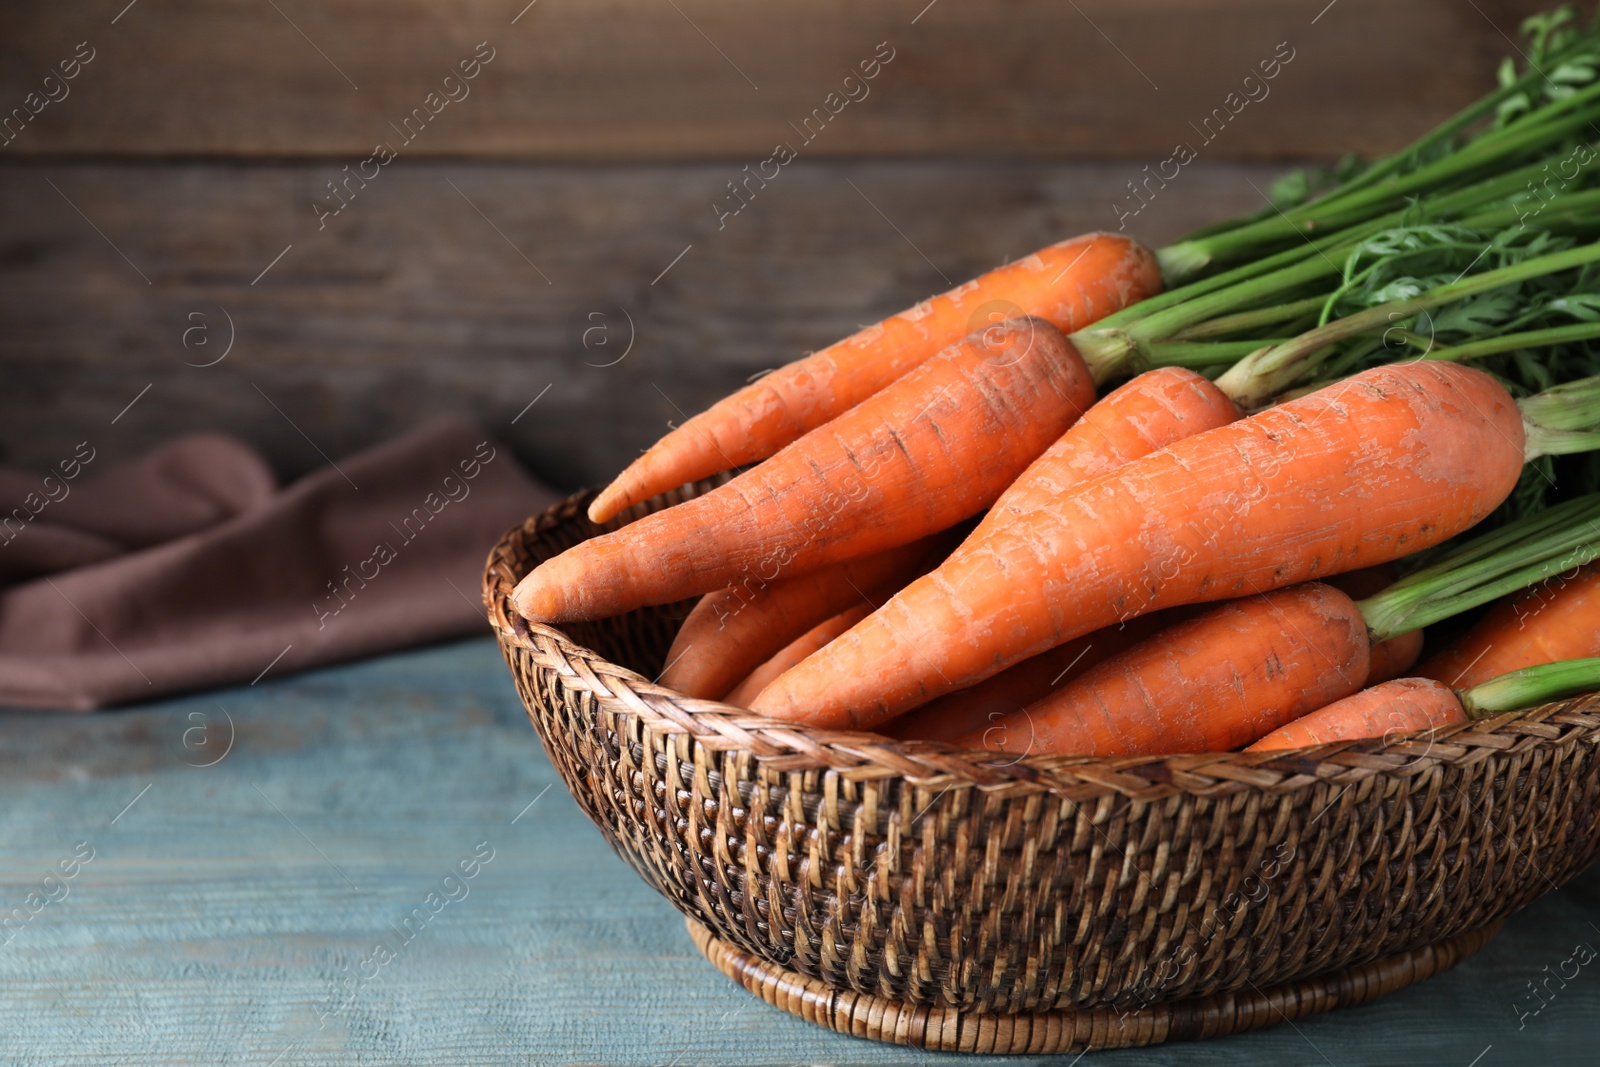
(1391, 658)
(1409, 704)
(1014, 688)
(1398, 706)
(1387, 462)
(1242, 670)
(1212, 683)
(1071, 284)
(1139, 417)
(732, 631)
(1394, 658)
(1558, 620)
(937, 446)
(799, 649)
(1142, 416)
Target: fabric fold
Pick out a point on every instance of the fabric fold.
(187, 568)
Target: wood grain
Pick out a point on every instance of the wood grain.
(699, 79)
(215, 913)
(429, 296)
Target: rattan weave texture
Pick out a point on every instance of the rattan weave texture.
(920, 876)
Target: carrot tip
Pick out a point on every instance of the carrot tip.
(537, 601)
(604, 507)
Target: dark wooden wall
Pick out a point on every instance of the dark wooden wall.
(631, 80)
(564, 213)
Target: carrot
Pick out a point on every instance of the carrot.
(1408, 704)
(1557, 620)
(797, 650)
(937, 446)
(1070, 284)
(1241, 670)
(1389, 461)
(1212, 683)
(732, 631)
(1394, 658)
(1140, 417)
(1016, 687)
(1398, 706)
(1397, 655)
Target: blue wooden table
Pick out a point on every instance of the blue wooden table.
(376, 864)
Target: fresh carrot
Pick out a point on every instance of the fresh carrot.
(936, 447)
(799, 649)
(1210, 684)
(732, 631)
(1137, 418)
(1070, 284)
(1398, 706)
(1243, 669)
(1409, 704)
(1397, 655)
(1140, 417)
(1557, 620)
(1387, 462)
(1014, 688)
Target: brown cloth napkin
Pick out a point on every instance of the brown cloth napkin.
(189, 568)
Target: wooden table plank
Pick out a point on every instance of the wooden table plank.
(428, 296)
(215, 911)
(715, 79)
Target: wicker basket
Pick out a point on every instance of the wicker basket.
(915, 893)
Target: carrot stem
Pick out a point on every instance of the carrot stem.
(1123, 349)
(1513, 557)
(1114, 345)
(1258, 377)
(1111, 346)
(1185, 258)
(1363, 196)
(1118, 344)
(1531, 686)
(1508, 342)
(1240, 321)
(1202, 354)
(1485, 545)
(1562, 419)
(1428, 348)
(1564, 208)
(1569, 406)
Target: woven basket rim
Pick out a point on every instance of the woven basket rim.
(724, 727)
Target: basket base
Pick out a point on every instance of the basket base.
(947, 1030)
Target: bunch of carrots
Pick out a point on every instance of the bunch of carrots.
(1111, 501)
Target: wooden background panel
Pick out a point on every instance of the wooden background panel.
(451, 289)
(697, 79)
